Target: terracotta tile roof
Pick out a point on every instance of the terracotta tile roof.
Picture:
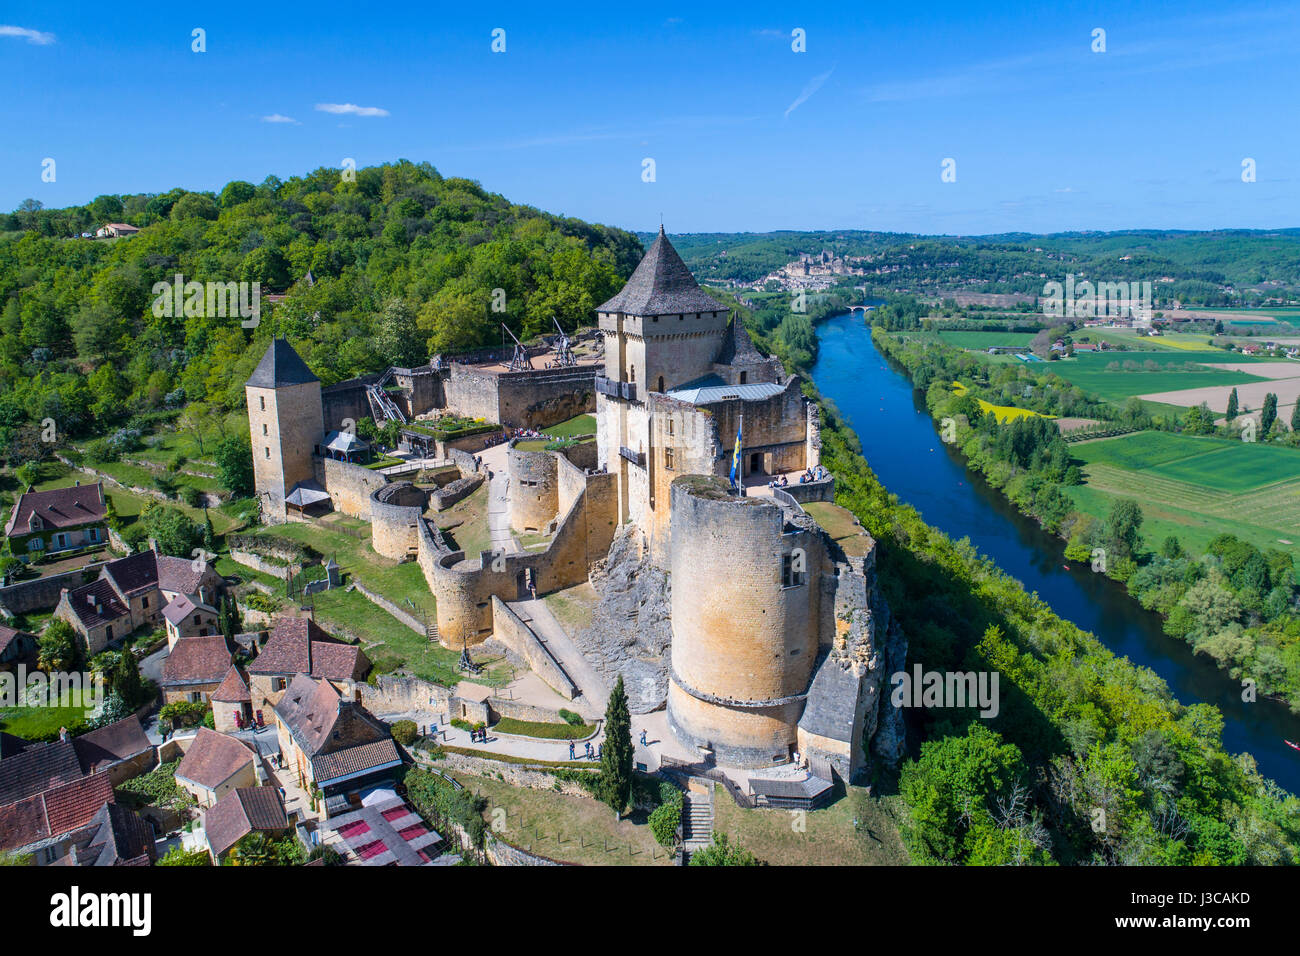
(8, 635)
(54, 813)
(233, 689)
(197, 660)
(213, 759)
(354, 760)
(243, 811)
(39, 767)
(96, 603)
(57, 508)
(298, 646)
(119, 837)
(178, 574)
(181, 607)
(108, 745)
(135, 572)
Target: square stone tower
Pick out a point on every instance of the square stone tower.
(286, 423)
(661, 331)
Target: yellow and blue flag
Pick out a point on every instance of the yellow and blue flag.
(735, 455)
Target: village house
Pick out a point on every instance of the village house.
(194, 669)
(48, 799)
(116, 230)
(133, 592)
(232, 704)
(298, 646)
(15, 646)
(241, 812)
(116, 836)
(121, 749)
(332, 744)
(184, 618)
(61, 519)
(216, 764)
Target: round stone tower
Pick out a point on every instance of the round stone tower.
(745, 611)
(534, 488)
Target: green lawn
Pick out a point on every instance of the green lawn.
(578, 425)
(44, 723)
(856, 830)
(568, 828)
(469, 518)
(573, 607)
(545, 730)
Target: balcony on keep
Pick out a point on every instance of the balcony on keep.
(635, 457)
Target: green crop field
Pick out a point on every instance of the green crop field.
(1117, 376)
(1196, 488)
(983, 340)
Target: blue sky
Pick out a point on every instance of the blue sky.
(745, 133)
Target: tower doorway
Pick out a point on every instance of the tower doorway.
(756, 463)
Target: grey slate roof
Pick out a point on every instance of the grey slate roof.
(281, 366)
(661, 285)
(702, 391)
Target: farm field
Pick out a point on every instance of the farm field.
(1118, 376)
(1166, 342)
(1195, 488)
(984, 340)
(1003, 413)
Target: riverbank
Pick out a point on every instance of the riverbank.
(865, 400)
(1224, 597)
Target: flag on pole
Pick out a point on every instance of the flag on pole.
(735, 455)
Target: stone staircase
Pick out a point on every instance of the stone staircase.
(431, 631)
(697, 821)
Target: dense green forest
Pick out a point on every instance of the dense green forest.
(1224, 268)
(404, 263)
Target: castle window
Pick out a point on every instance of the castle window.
(668, 459)
(262, 399)
(670, 426)
(268, 452)
(661, 383)
(790, 577)
(743, 376)
(264, 431)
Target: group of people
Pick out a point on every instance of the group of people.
(810, 474)
(592, 753)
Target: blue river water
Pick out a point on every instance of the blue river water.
(900, 442)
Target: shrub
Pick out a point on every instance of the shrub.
(666, 817)
(570, 717)
(191, 496)
(405, 732)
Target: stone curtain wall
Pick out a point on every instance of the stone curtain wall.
(393, 695)
(344, 400)
(519, 637)
(455, 492)
(527, 399)
(350, 486)
(42, 594)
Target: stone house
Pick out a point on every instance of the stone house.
(195, 668)
(48, 799)
(332, 743)
(15, 646)
(121, 749)
(241, 812)
(184, 618)
(60, 519)
(297, 646)
(232, 704)
(132, 592)
(116, 836)
(216, 764)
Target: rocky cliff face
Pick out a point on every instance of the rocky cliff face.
(631, 628)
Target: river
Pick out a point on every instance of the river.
(900, 442)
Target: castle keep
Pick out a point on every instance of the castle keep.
(779, 641)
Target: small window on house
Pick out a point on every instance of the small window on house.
(108, 633)
(277, 683)
(196, 619)
(631, 373)
(743, 376)
(668, 459)
(144, 601)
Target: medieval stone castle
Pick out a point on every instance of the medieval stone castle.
(779, 641)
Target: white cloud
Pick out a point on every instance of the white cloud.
(351, 108)
(280, 118)
(36, 37)
(813, 86)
